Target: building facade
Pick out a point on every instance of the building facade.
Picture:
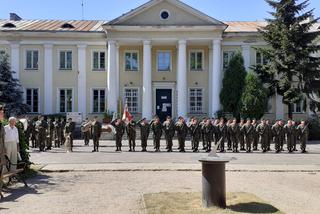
(162, 58)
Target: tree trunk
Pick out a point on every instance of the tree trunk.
(290, 110)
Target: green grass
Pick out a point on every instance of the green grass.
(187, 203)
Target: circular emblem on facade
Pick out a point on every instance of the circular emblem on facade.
(164, 14)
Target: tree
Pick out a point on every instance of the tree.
(232, 85)
(10, 90)
(292, 65)
(254, 98)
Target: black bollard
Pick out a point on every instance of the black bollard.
(214, 182)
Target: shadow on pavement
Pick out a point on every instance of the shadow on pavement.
(253, 207)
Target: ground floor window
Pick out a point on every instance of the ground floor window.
(196, 100)
(98, 100)
(131, 98)
(65, 99)
(32, 99)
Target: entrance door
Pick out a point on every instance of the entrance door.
(163, 103)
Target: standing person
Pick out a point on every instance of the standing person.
(223, 130)
(33, 133)
(195, 130)
(169, 131)
(96, 129)
(269, 135)
(11, 143)
(156, 128)
(216, 132)
(203, 135)
(119, 126)
(208, 133)
(68, 133)
(303, 134)
(144, 133)
(283, 135)
(229, 142)
(41, 128)
(182, 132)
(248, 131)
(86, 129)
(28, 131)
(63, 125)
(277, 135)
(263, 135)
(131, 132)
(233, 131)
(49, 134)
(289, 133)
(57, 129)
(241, 135)
(295, 135)
(255, 135)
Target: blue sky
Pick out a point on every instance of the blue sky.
(225, 10)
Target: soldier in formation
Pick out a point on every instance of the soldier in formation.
(169, 131)
(131, 133)
(144, 133)
(96, 129)
(119, 126)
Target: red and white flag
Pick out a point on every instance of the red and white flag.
(126, 114)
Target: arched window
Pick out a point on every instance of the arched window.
(8, 25)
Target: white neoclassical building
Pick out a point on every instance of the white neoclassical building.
(163, 58)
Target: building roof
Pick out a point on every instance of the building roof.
(96, 26)
(52, 25)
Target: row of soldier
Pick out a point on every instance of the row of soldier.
(244, 136)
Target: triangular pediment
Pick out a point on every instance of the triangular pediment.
(150, 14)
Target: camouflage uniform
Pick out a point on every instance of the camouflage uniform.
(182, 132)
(86, 134)
(156, 128)
(169, 131)
(49, 135)
(277, 133)
(144, 134)
(223, 133)
(69, 131)
(241, 137)
(41, 128)
(289, 133)
(208, 133)
(303, 134)
(255, 137)
(262, 130)
(131, 133)
(57, 129)
(96, 130)
(195, 131)
(248, 131)
(233, 132)
(120, 129)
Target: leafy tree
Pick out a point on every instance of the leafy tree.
(10, 90)
(292, 65)
(232, 85)
(254, 97)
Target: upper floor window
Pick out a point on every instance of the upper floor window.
(32, 99)
(164, 60)
(131, 96)
(131, 61)
(298, 107)
(98, 100)
(196, 100)
(196, 60)
(65, 60)
(99, 60)
(260, 59)
(32, 58)
(227, 56)
(65, 100)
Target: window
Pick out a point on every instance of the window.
(32, 99)
(131, 99)
(298, 107)
(260, 59)
(227, 55)
(65, 60)
(98, 100)
(32, 58)
(196, 100)
(164, 14)
(164, 60)
(99, 59)
(65, 98)
(132, 62)
(196, 61)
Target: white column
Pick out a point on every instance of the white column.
(246, 56)
(118, 73)
(82, 80)
(147, 81)
(15, 59)
(279, 107)
(182, 88)
(216, 80)
(112, 77)
(210, 80)
(48, 80)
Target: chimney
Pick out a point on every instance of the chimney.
(15, 17)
